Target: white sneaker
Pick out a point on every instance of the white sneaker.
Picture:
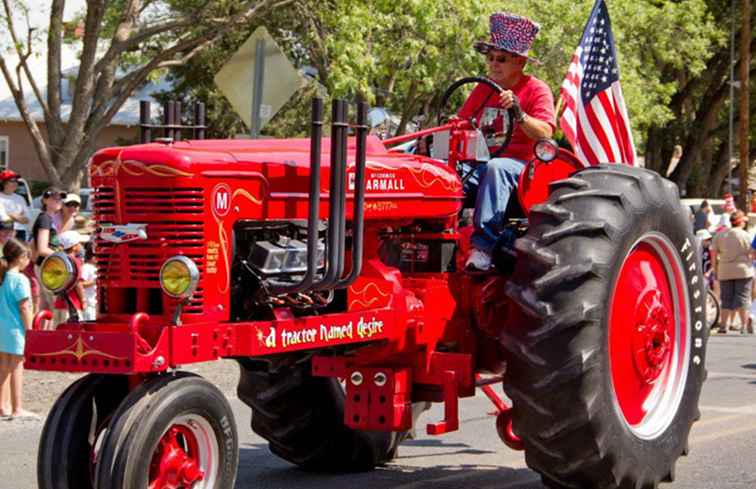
(479, 260)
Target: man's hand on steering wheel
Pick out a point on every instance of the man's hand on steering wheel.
(513, 110)
(510, 101)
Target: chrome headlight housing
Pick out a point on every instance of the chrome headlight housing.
(58, 273)
(179, 277)
(546, 149)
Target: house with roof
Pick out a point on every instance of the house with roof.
(17, 151)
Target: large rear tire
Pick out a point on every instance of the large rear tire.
(302, 417)
(606, 348)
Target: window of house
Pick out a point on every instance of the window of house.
(4, 152)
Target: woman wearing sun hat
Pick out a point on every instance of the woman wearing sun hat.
(731, 257)
(507, 53)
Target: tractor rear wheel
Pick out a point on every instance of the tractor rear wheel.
(302, 417)
(606, 348)
(68, 448)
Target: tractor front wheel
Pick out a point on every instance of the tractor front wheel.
(171, 431)
(68, 449)
(606, 350)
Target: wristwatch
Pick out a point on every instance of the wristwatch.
(523, 117)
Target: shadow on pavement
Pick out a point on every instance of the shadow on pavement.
(259, 469)
(750, 365)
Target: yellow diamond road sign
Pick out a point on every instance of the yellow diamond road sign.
(236, 79)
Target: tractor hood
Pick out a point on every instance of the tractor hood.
(397, 184)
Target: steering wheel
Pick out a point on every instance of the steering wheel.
(509, 114)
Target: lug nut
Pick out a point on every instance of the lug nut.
(380, 379)
(356, 378)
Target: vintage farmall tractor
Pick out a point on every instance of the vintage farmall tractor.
(335, 278)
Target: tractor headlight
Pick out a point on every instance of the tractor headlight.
(546, 149)
(179, 277)
(58, 273)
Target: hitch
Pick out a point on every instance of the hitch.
(503, 414)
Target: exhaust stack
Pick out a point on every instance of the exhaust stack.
(336, 245)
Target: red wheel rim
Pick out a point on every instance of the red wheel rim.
(186, 456)
(649, 336)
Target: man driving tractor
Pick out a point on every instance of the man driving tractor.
(532, 103)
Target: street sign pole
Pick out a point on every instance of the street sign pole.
(257, 90)
(261, 63)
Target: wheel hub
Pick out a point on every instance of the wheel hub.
(174, 464)
(652, 343)
(648, 336)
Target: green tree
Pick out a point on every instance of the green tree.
(123, 43)
(402, 54)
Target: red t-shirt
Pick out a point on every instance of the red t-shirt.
(535, 99)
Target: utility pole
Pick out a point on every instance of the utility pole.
(745, 58)
(731, 125)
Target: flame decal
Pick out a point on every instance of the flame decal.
(106, 169)
(136, 168)
(247, 195)
(80, 349)
(223, 237)
(360, 296)
(420, 175)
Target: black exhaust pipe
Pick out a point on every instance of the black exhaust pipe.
(316, 134)
(336, 247)
(358, 207)
(336, 213)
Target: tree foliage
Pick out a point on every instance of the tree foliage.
(403, 53)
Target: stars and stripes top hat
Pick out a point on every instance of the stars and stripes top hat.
(512, 33)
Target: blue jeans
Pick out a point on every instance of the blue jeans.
(492, 185)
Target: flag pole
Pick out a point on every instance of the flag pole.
(559, 106)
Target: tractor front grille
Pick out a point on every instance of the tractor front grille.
(130, 271)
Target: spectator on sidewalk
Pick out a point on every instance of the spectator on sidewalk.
(729, 209)
(6, 233)
(71, 242)
(702, 217)
(66, 218)
(15, 319)
(89, 283)
(732, 258)
(14, 205)
(45, 241)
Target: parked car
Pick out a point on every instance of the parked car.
(24, 191)
(717, 209)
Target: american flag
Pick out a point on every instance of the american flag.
(595, 118)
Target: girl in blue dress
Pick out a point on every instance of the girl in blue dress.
(15, 319)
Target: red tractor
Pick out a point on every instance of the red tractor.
(335, 278)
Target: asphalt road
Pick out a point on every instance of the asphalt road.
(723, 444)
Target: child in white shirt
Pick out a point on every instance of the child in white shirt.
(89, 282)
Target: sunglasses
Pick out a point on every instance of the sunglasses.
(501, 58)
(58, 196)
(73, 204)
